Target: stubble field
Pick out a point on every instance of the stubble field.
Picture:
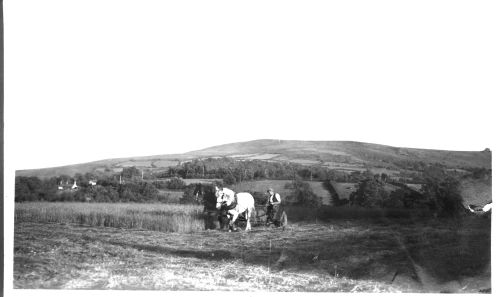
(336, 256)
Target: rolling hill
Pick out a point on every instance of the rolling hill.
(341, 155)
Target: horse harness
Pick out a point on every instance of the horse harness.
(232, 205)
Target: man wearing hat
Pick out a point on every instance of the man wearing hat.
(273, 204)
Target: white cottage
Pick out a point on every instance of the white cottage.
(74, 186)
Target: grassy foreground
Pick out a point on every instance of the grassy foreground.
(340, 256)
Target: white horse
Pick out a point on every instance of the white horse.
(236, 204)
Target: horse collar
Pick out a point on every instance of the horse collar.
(232, 205)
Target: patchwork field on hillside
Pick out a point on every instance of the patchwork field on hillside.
(342, 155)
(135, 163)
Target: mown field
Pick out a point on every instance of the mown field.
(132, 246)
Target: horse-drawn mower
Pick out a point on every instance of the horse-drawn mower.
(259, 217)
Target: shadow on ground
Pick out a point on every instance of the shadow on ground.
(422, 254)
(212, 255)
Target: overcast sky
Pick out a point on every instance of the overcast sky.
(89, 80)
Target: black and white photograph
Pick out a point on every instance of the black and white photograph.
(255, 147)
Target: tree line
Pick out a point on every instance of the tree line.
(439, 192)
(107, 190)
(233, 171)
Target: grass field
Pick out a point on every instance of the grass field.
(478, 192)
(157, 217)
(134, 163)
(320, 190)
(347, 167)
(390, 188)
(262, 156)
(170, 196)
(416, 187)
(165, 163)
(335, 256)
(190, 181)
(344, 190)
(305, 161)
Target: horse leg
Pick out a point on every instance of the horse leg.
(249, 213)
(233, 220)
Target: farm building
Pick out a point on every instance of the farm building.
(67, 187)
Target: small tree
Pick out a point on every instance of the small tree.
(303, 194)
(383, 177)
(149, 191)
(27, 188)
(369, 193)
(229, 179)
(130, 172)
(406, 197)
(192, 194)
(443, 196)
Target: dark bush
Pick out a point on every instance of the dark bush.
(129, 172)
(302, 194)
(370, 193)
(229, 179)
(443, 196)
(193, 194)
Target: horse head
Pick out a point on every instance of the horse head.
(198, 190)
(206, 195)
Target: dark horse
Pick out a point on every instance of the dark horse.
(211, 215)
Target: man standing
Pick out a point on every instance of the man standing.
(273, 205)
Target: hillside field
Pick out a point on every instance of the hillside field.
(477, 192)
(345, 156)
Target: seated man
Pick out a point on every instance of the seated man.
(273, 206)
